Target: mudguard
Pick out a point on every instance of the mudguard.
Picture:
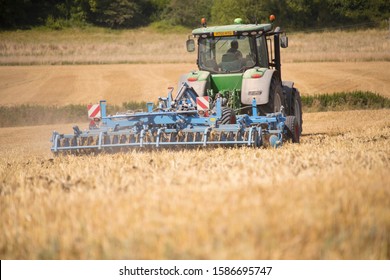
(256, 84)
(198, 80)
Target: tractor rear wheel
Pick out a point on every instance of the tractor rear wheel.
(276, 98)
(297, 107)
(293, 128)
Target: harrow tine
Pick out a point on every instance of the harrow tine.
(158, 137)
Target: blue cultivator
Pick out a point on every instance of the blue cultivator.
(175, 123)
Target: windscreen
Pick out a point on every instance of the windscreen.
(226, 54)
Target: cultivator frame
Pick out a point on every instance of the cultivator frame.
(174, 123)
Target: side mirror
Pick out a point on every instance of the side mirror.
(190, 44)
(284, 41)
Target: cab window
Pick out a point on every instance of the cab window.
(262, 51)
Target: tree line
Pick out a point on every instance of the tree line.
(296, 14)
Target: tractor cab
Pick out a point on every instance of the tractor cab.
(236, 48)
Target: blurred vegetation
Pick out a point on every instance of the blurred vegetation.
(30, 115)
(356, 100)
(298, 14)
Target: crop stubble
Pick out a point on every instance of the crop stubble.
(326, 198)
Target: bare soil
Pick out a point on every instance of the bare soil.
(82, 84)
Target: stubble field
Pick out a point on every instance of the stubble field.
(326, 198)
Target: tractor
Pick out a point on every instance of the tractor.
(235, 98)
(242, 62)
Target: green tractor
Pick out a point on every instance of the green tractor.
(241, 62)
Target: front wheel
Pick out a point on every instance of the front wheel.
(228, 116)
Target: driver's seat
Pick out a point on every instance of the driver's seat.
(230, 62)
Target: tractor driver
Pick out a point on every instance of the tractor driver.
(234, 49)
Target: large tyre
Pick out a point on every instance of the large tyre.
(293, 132)
(276, 98)
(297, 108)
(228, 116)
